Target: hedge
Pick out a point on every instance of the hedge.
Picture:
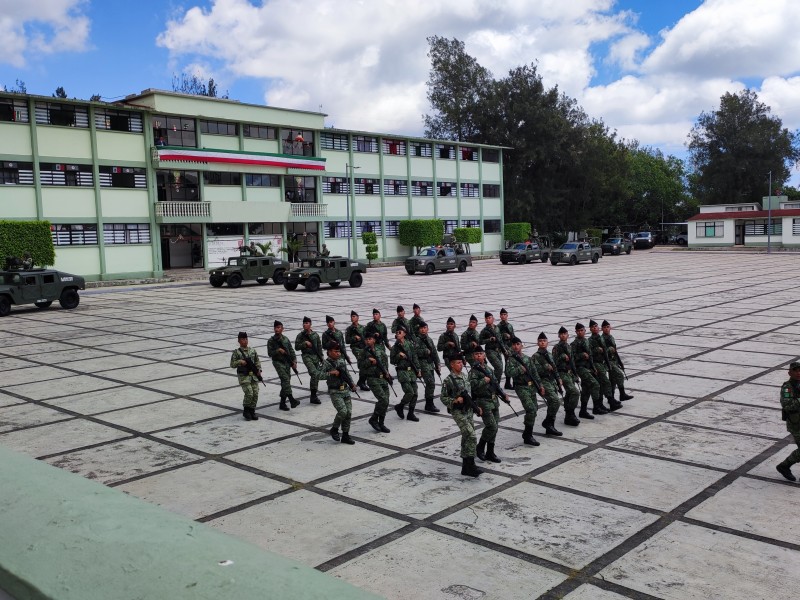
(468, 235)
(517, 232)
(370, 240)
(34, 237)
(421, 232)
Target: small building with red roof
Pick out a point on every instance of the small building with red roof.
(747, 224)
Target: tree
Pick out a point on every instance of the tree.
(19, 88)
(95, 98)
(60, 93)
(192, 84)
(733, 149)
(421, 232)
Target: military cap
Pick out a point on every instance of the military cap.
(329, 319)
(605, 324)
(579, 326)
(401, 328)
(242, 335)
(562, 330)
(542, 336)
(277, 324)
(415, 306)
(478, 349)
(375, 311)
(487, 314)
(399, 309)
(516, 340)
(592, 323)
(353, 313)
(473, 318)
(451, 320)
(794, 366)
(306, 320)
(422, 324)
(334, 345)
(503, 311)
(457, 357)
(373, 335)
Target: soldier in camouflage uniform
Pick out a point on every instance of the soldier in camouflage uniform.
(483, 392)
(376, 368)
(449, 344)
(470, 339)
(310, 346)
(492, 341)
(455, 385)
(334, 370)
(616, 374)
(584, 365)
(401, 320)
(428, 360)
(377, 326)
(546, 367)
(414, 323)
(247, 378)
(522, 370)
(354, 335)
(603, 365)
(331, 334)
(507, 331)
(790, 405)
(404, 358)
(562, 356)
(283, 359)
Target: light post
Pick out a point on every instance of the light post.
(351, 195)
(769, 216)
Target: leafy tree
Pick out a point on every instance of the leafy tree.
(421, 232)
(60, 93)
(19, 88)
(370, 240)
(733, 149)
(192, 84)
(95, 98)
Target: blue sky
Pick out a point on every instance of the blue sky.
(647, 68)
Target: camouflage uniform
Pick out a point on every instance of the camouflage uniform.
(616, 375)
(413, 327)
(469, 339)
(448, 351)
(356, 346)
(247, 379)
(546, 369)
(375, 379)
(562, 356)
(334, 335)
(401, 321)
(312, 357)
(407, 369)
(282, 362)
(506, 330)
(428, 360)
(382, 341)
(486, 398)
(790, 405)
(495, 349)
(452, 387)
(585, 368)
(526, 384)
(338, 389)
(602, 364)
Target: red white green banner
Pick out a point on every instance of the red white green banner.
(206, 155)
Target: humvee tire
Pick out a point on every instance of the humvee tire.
(69, 299)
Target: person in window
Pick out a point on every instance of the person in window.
(325, 252)
(160, 141)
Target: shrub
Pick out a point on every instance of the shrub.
(19, 237)
(370, 240)
(421, 232)
(468, 235)
(517, 232)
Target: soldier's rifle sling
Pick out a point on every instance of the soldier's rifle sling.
(432, 356)
(314, 347)
(495, 386)
(349, 381)
(285, 358)
(525, 369)
(554, 373)
(386, 375)
(252, 366)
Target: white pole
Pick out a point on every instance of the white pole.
(769, 217)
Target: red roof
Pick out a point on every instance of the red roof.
(746, 214)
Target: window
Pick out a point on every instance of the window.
(298, 142)
(174, 131)
(445, 151)
(65, 115)
(759, 227)
(126, 233)
(469, 153)
(490, 155)
(397, 147)
(69, 175)
(391, 228)
(490, 226)
(222, 178)
(123, 177)
(338, 229)
(491, 190)
(177, 185)
(395, 187)
(421, 149)
(218, 229)
(264, 228)
(14, 110)
(300, 189)
(261, 132)
(260, 180)
(365, 143)
(710, 229)
(470, 190)
(470, 223)
(422, 188)
(334, 141)
(370, 226)
(335, 185)
(446, 188)
(218, 128)
(118, 120)
(450, 226)
(367, 186)
(16, 173)
(74, 235)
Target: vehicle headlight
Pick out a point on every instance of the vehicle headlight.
(420, 262)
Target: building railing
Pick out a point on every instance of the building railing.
(309, 209)
(183, 209)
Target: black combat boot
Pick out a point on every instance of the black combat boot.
(468, 467)
(383, 428)
(283, 403)
(599, 408)
(411, 416)
(314, 398)
(374, 421)
(508, 385)
(623, 395)
(246, 413)
(584, 413)
(490, 455)
(571, 419)
(614, 404)
(335, 433)
(253, 414)
(786, 471)
(480, 451)
(296, 403)
(527, 436)
(398, 408)
(549, 427)
(430, 407)
(362, 384)
(346, 439)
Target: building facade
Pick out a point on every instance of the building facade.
(163, 180)
(747, 224)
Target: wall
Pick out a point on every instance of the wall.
(135, 258)
(727, 239)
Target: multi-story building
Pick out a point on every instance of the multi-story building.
(163, 180)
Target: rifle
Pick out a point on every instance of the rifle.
(252, 366)
(344, 349)
(494, 386)
(384, 371)
(345, 375)
(554, 373)
(588, 351)
(619, 361)
(525, 371)
(605, 355)
(469, 401)
(433, 356)
(313, 345)
(285, 358)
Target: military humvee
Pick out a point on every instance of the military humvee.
(40, 287)
(248, 268)
(332, 270)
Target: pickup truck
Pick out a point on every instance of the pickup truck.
(574, 252)
(524, 252)
(439, 258)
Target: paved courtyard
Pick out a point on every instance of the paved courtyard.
(673, 496)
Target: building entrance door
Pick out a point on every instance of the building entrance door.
(181, 246)
(739, 234)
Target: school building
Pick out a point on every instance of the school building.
(162, 180)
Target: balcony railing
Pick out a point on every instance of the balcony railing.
(309, 209)
(183, 209)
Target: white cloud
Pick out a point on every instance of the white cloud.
(41, 27)
(626, 51)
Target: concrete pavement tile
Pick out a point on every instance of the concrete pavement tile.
(775, 379)
(6, 400)
(685, 561)
(102, 340)
(160, 415)
(74, 353)
(767, 467)
(7, 364)
(648, 404)
(59, 388)
(688, 339)
(682, 385)
(756, 395)
(59, 437)
(692, 444)
(591, 592)
(473, 571)
(32, 375)
(151, 372)
(590, 432)
(199, 490)
(661, 350)
(114, 398)
(734, 417)
(187, 385)
(756, 359)
(124, 459)
(28, 415)
(214, 361)
(784, 349)
(412, 485)
(106, 363)
(712, 370)
(314, 415)
(306, 526)
(565, 528)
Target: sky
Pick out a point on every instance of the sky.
(647, 68)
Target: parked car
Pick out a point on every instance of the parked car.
(40, 287)
(682, 239)
(616, 245)
(644, 239)
(574, 252)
